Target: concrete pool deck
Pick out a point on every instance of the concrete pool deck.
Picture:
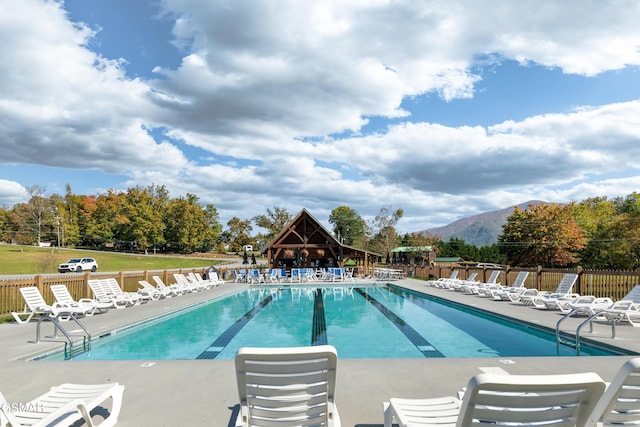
(197, 392)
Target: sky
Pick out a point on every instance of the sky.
(444, 108)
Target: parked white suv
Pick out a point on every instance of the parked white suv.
(78, 265)
(489, 266)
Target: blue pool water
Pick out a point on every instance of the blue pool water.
(361, 322)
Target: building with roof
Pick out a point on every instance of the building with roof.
(422, 255)
(305, 243)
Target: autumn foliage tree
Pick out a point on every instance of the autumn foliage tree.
(615, 243)
(546, 235)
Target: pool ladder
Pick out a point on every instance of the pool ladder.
(565, 337)
(69, 350)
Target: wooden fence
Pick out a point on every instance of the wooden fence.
(11, 299)
(601, 283)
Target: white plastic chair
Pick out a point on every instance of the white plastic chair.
(63, 405)
(62, 296)
(287, 386)
(35, 305)
(620, 403)
(565, 400)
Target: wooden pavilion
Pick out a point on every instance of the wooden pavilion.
(305, 243)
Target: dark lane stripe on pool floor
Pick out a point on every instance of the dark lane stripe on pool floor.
(416, 339)
(225, 338)
(319, 328)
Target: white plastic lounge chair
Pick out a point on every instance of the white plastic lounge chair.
(182, 280)
(36, 306)
(479, 288)
(174, 288)
(620, 404)
(586, 305)
(516, 288)
(215, 278)
(199, 280)
(625, 310)
(113, 288)
(460, 285)
(62, 296)
(63, 405)
(154, 292)
(563, 291)
(443, 282)
(100, 292)
(287, 386)
(505, 400)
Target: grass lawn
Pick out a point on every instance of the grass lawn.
(16, 259)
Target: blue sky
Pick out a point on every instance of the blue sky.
(444, 109)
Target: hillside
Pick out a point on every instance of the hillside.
(481, 229)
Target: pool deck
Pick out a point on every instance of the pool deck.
(204, 392)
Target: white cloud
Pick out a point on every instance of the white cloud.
(266, 92)
(63, 105)
(11, 193)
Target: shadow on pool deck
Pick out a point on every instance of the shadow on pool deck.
(190, 392)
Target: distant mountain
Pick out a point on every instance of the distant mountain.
(481, 229)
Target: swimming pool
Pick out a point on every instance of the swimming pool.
(365, 321)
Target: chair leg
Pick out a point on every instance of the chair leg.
(388, 414)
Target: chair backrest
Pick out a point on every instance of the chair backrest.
(454, 274)
(98, 290)
(493, 277)
(472, 276)
(296, 383)
(520, 279)
(530, 400)
(112, 287)
(61, 294)
(620, 403)
(146, 285)
(633, 295)
(181, 279)
(159, 282)
(33, 298)
(566, 283)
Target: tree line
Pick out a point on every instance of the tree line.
(595, 233)
(144, 219)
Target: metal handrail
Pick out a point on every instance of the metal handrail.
(68, 345)
(589, 321)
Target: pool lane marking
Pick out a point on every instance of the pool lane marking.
(414, 336)
(319, 327)
(225, 338)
